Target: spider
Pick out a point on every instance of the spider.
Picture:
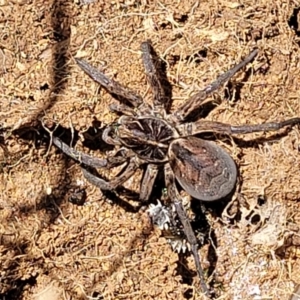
(149, 135)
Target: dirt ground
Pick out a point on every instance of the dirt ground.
(53, 249)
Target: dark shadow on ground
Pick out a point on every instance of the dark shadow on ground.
(60, 19)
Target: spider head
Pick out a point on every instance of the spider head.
(149, 137)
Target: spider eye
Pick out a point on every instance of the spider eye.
(205, 170)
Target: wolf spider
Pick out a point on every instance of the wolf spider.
(148, 134)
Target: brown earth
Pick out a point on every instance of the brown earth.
(53, 249)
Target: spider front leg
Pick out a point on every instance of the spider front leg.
(112, 86)
(198, 99)
(201, 126)
(153, 70)
(188, 230)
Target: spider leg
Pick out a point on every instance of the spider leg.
(79, 156)
(110, 85)
(198, 99)
(111, 185)
(148, 182)
(153, 69)
(188, 230)
(201, 126)
(86, 159)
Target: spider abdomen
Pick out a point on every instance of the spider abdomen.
(149, 137)
(204, 169)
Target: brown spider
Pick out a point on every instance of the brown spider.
(149, 135)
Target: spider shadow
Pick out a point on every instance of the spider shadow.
(60, 35)
(59, 38)
(50, 203)
(19, 247)
(32, 130)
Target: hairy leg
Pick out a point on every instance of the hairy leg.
(198, 99)
(112, 86)
(153, 70)
(86, 159)
(79, 156)
(201, 126)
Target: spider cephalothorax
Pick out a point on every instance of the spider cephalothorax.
(149, 135)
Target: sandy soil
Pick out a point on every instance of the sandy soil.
(53, 249)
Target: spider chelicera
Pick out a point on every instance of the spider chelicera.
(149, 135)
